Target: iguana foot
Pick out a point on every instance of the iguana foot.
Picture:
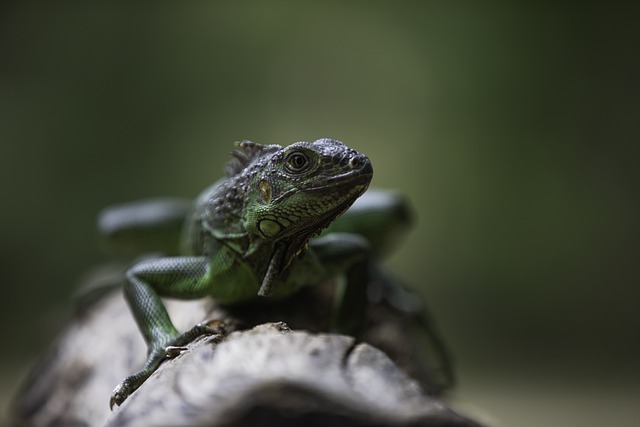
(169, 349)
(129, 385)
(209, 327)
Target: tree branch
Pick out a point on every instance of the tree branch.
(264, 375)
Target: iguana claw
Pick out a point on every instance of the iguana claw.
(172, 348)
(120, 394)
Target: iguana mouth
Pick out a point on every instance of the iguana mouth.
(355, 177)
(343, 181)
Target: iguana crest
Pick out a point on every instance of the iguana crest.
(247, 152)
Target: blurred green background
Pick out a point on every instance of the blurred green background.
(514, 128)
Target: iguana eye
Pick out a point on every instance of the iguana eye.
(297, 162)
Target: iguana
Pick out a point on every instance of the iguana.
(257, 233)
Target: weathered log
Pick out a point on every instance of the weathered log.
(257, 375)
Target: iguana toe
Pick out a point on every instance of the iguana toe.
(120, 394)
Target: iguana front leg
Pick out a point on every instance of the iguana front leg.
(178, 277)
(347, 256)
(382, 218)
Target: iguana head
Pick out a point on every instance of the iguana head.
(303, 187)
(296, 191)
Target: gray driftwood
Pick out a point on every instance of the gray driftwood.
(265, 375)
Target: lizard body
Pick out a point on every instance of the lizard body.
(257, 233)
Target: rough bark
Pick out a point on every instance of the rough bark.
(258, 375)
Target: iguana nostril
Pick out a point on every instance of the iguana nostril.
(358, 161)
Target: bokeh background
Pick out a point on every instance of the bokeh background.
(514, 128)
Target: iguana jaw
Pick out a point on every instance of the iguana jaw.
(342, 196)
(286, 249)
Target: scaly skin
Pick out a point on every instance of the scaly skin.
(247, 235)
(253, 234)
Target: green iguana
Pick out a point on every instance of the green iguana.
(256, 233)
